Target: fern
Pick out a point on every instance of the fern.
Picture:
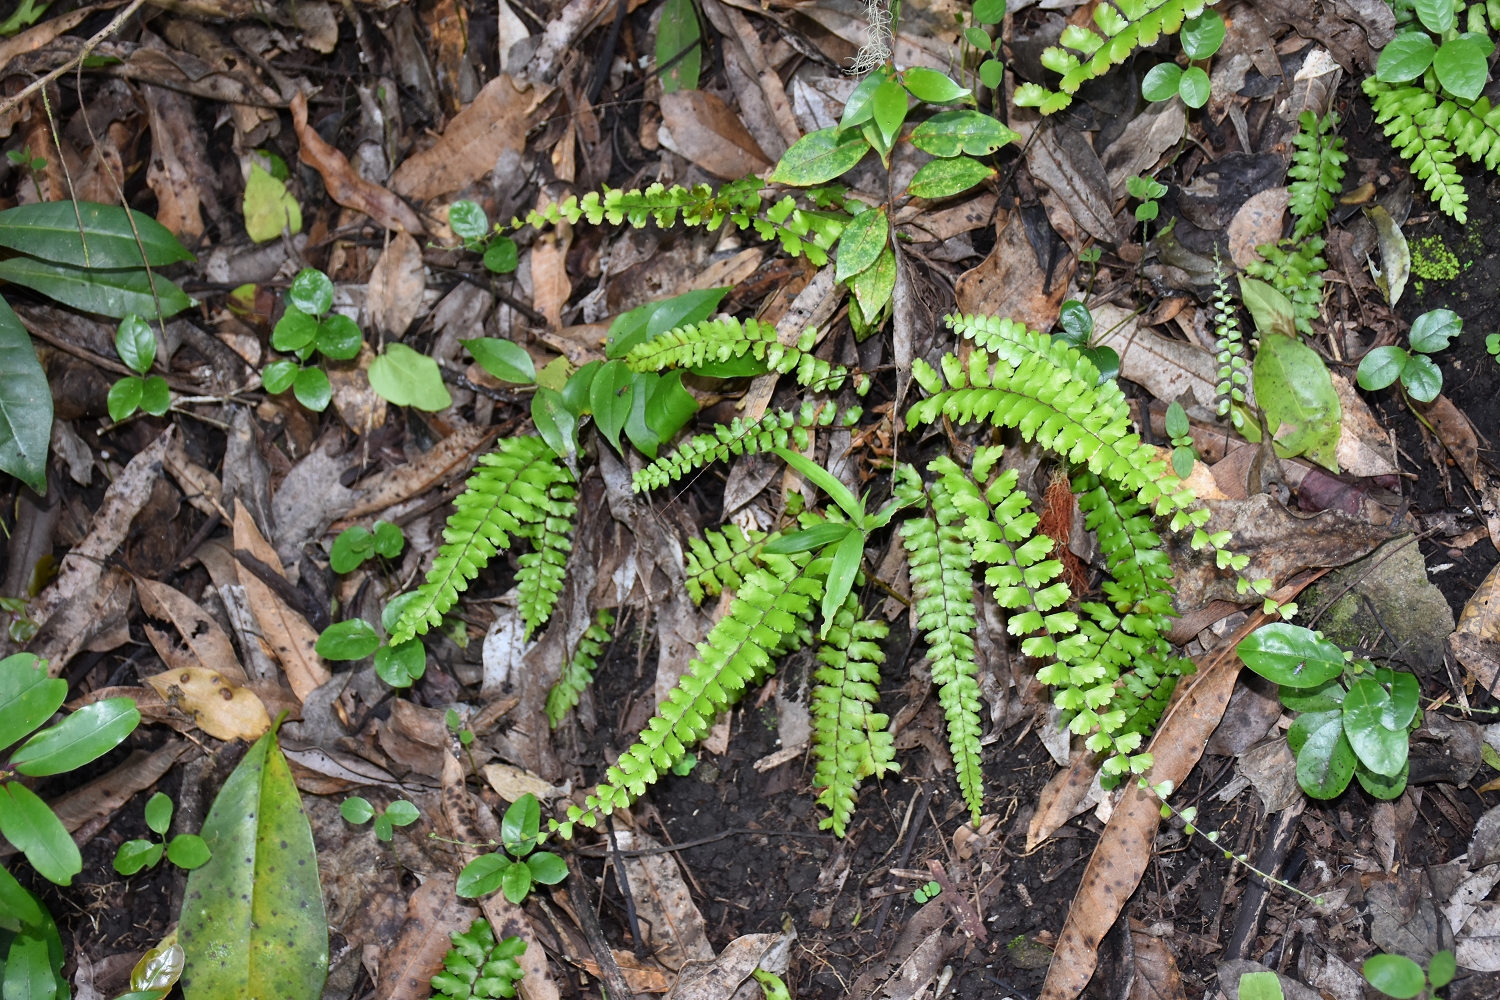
(1125, 26)
(539, 580)
(716, 341)
(1474, 131)
(579, 673)
(510, 492)
(849, 739)
(1317, 172)
(773, 430)
(1229, 350)
(1418, 127)
(720, 559)
(1294, 270)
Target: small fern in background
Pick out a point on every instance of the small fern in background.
(579, 672)
(1317, 173)
(720, 559)
(1229, 351)
(478, 966)
(1431, 135)
(539, 580)
(1296, 271)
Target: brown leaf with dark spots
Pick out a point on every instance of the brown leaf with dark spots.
(1457, 434)
(432, 913)
(200, 633)
(344, 185)
(1009, 282)
(1062, 798)
(1156, 976)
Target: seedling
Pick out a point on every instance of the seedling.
(520, 834)
(465, 735)
(1145, 190)
(354, 545)
(1398, 976)
(136, 345)
(308, 327)
(1181, 433)
(33, 164)
(1420, 377)
(359, 811)
(186, 850)
(469, 223)
(479, 966)
(926, 892)
(1078, 331)
(1201, 37)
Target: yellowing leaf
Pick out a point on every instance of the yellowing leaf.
(219, 708)
(269, 208)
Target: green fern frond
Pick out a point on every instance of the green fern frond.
(1417, 125)
(776, 601)
(539, 580)
(720, 559)
(716, 341)
(1317, 172)
(849, 739)
(1229, 349)
(773, 430)
(942, 583)
(579, 672)
(512, 487)
(1296, 271)
(1474, 131)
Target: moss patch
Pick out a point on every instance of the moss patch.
(1431, 259)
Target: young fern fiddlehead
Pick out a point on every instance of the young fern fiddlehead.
(579, 672)
(849, 738)
(1317, 173)
(514, 490)
(1229, 350)
(720, 559)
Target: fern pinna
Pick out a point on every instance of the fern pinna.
(579, 672)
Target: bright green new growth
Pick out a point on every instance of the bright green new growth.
(479, 966)
(850, 741)
(1317, 173)
(716, 341)
(1431, 134)
(579, 673)
(720, 559)
(1296, 271)
(1229, 350)
(522, 489)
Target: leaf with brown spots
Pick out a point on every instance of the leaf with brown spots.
(291, 638)
(200, 633)
(432, 914)
(219, 707)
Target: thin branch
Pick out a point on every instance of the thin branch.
(83, 53)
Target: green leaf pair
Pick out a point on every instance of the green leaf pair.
(648, 407)
(1419, 374)
(520, 833)
(359, 811)
(469, 223)
(353, 639)
(186, 850)
(1399, 977)
(1460, 63)
(354, 545)
(307, 327)
(1167, 80)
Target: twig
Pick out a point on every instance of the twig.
(1257, 892)
(623, 881)
(911, 840)
(316, 615)
(609, 970)
(686, 844)
(83, 53)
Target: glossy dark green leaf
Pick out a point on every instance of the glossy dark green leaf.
(278, 376)
(357, 810)
(468, 221)
(1193, 87)
(401, 665)
(642, 385)
(841, 574)
(311, 292)
(646, 321)
(575, 392)
(25, 913)
(28, 971)
(482, 876)
(1202, 35)
(1381, 749)
(547, 868)
(502, 256)
(521, 824)
(819, 157)
(351, 548)
(504, 359)
(554, 421)
(1306, 723)
(932, 86)
(159, 813)
(156, 395)
(124, 397)
(1422, 378)
(188, 851)
(135, 343)
(1326, 697)
(1405, 57)
(1106, 359)
(25, 406)
(353, 639)
(312, 389)
(1380, 367)
(1291, 655)
(1385, 787)
(339, 337)
(945, 178)
(950, 133)
(1432, 330)
(406, 378)
(28, 697)
(88, 733)
(858, 109)
(1077, 323)
(50, 230)
(113, 293)
(1325, 761)
(744, 366)
(1437, 16)
(515, 882)
(294, 330)
(1161, 82)
(670, 406)
(860, 245)
(678, 30)
(1405, 694)
(1395, 975)
(252, 922)
(134, 855)
(890, 102)
(34, 830)
(389, 541)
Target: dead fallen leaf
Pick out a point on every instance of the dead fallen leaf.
(1009, 282)
(1479, 941)
(394, 295)
(1457, 435)
(416, 738)
(1156, 975)
(550, 286)
(432, 913)
(1257, 223)
(1168, 368)
(1364, 447)
(670, 921)
(357, 404)
(510, 783)
(718, 978)
(200, 487)
(199, 631)
(94, 804)
(1062, 159)
(700, 127)
(96, 617)
(1063, 797)
(471, 144)
(288, 634)
(447, 459)
(344, 185)
(221, 709)
(924, 226)
(1149, 134)
(320, 32)
(640, 977)
(921, 966)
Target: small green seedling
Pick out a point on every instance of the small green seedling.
(986, 12)
(520, 834)
(136, 345)
(479, 966)
(1078, 330)
(684, 767)
(1420, 377)
(1201, 37)
(772, 986)
(470, 224)
(1181, 433)
(186, 850)
(1145, 190)
(1260, 986)
(399, 813)
(1398, 976)
(926, 892)
(354, 545)
(1492, 344)
(306, 327)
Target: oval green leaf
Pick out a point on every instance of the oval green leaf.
(28, 697)
(1422, 377)
(1291, 655)
(124, 397)
(1462, 68)
(188, 851)
(858, 109)
(945, 178)
(468, 221)
(357, 810)
(819, 157)
(808, 539)
(1381, 749)
(989, 11)
(156, 395)
(133, 855)
(1380, 367)
(1326, 697)
(1294, 389)
(294, 330)
(874, 286)
(1161, 82)
(311, 292)
(949, 133)
(29, 824)
(933, 87)
(50, 230)
(88, 733)
(609, 398)
(554, 421)
(352, 547)
(406, 378)
(339, 338)
(547, 868)
(1202, 35)
(1437, 16)
(353, 639)
(502, 256)
(670, 406)
(860, 245)
(135, 343)
(520, 825)
(1405, 57)
(159, 813)
(1441, 969)
(278, 376)
(312, 389)
(403, 813)
(25, 405)
(389, 541)
(1325, 763)
(1077, 323)
(504, 359)
(1395, 975)
(482, 876)
(113, 293)
(1194, 86)
(1382, 786)
(515, 882)
(890, 104)
(403, 664)
(1432, 330)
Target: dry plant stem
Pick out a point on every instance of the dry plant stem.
(583, 905)
(911, 840)
(1268, 862)
(623, 881)
(83, 53)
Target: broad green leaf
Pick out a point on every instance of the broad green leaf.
(575, 392)
(1422, 378)
(874, 286)
(159, 969)
(1161, 82)
(156, 395)
(28, 697)
(269, 207)
(312, 389)
(50, 230)
(670, 406)
(890, 104)
(1380, 367)
(1325, 763)
(311, 292)
(339, 338)
(1405, 693)
(1306, 724)
(554, 374)
(357, 810)
(133, 855)
(944, 178)
(949, 133)
(554, 422)
(991, 72)
(1441, 969)
(253, 923)
(1077, 323)
(25, 407)
(646, 321)
(135, 343)
(124, 397)
(34, 829)
(159, 813)
(294, 330)
(1396, 975)
(858, 109)
(403, 664)
(933, 87)
(21, 912)
(1432, 330)
(389, 541)
(1381, 749)
(520, 825)
(1202, 35)
(403, 813)
(481, 876)
(188, 850)
(1326, 697)
(406, 378)
(1381, 786)
(678, 30)
(87, 734)
(1194, 87)
(989, 11)
(1405, 57)
(1291, 655)
(113, 293)
(353, 639)
(547, 868)
(504, 359)
(825, 481)
(864, 237)
(279, 376)
(515, 882)
(819, 157)
(1260, 986)
(502, 256)
(1437, 16)
(384, 828)
(1296, 393)
(745, 366)
(846, 560)
(642, 385)
(808, 539)
(610, 398)
(468, 221)
(1462, 68)
(28, 970)
(352, 547)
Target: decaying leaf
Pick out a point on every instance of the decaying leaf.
(344, 185)
(1258, 222)
(510, 783)
(202, 635)
(471, 144)
(448, 459)
(719, 978)
(1009, 282)
(394, 296)
(432, 914)
(1066, 795)
(221, 709)
(699, 126)
(289, 635)
(677, 932)
(1458, 437)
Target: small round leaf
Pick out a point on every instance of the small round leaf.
(504, 359)
(311, 292)
(481, 876)
(339, 338)
(353, 639)
(1161, 82)
(1405, 57)
(388, 540)
(403, 813)
(1422, 378)
(1381, 749)
(1395, 976)
(467, 220)
(1291, 655)
(1441, 969)
(1201, 36)
(133, 855)
(351, 548)
(502, 256)
(515, 882)
(1193, 88)
(188, 850)
(1432, 330)
(159, 812)
(278, 376)
(1077, 323)
(1380, 367)
(933, 87)
(356, 809)
(312, 389)
(401, 665)
(156, 395)
(135, 343)
(547, 868)
(124, 397)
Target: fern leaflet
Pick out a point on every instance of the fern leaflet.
(1229, 350)
(539, 581)
(716, 341)
(579, 672)
(720, 559)
(1317, 172)
(1418, 127)
(1296, 271)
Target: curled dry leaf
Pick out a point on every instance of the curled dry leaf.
(471, 144)
(677, 932)
(719, 978)
(289, 635)
(1156, 975)
(700, 127)
(432, 913)
(1168, 368)
(550, 286)
(394, 295)
(510, 783)
(1258, 222)
(222, 710)
(1457, 435)
(1063, 160)
(94, 618)
(200, 633)
(344, 185)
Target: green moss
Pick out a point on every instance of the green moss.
(1431, 259)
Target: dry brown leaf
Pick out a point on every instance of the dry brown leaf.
(1062, 798)
(100, 799)
(550, 286)
(1156, 976)
(677, 932)
(448, 458)
(199, 631)
(42, 34)
(200, 487)
(1009, 282)
(96, 618)
(220, 709)
(343, 184)
(1257, 223)
(1124, 849)
(320, 32)
(432, 913)
(289, 635)
(700, 127)
(1062, 159)
(510, 783)
(1168, 368)
(358, 405)
(730, 271)
(641, 978)
(1476, 641)
(926, 226)
(1364, 447)
(1457, 434)
(718, 978)
(579, 344)
(1145, 139)
(394, 296)
(471, 144)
